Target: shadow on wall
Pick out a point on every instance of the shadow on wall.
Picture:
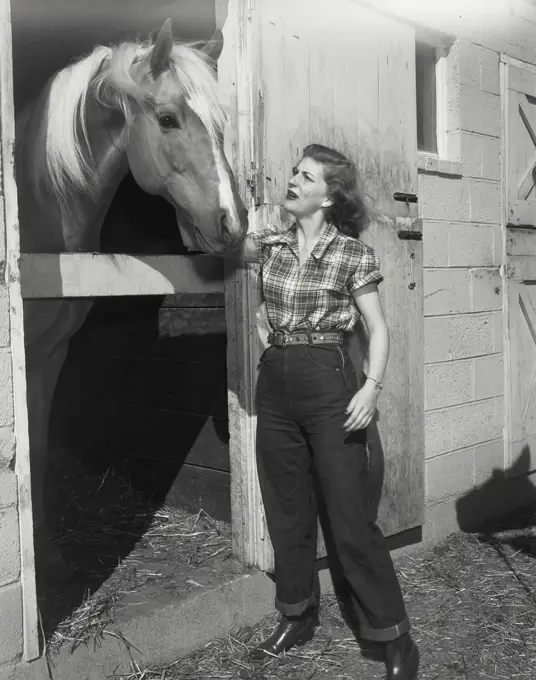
(493, 498)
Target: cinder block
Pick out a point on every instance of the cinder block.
(489, 376)
(480, 112)
(4, 316)
(468, 64)
(454, 144)
(474, 423)
(486, 290)
(480, 156)
(437, 432)
(470, 154)
(498, 332)
(10, 623)
(450, 475)
(8, 488)
(498, 412)
(10, 553)
(491, 158)
(6, 390)
(448, 383)
(489, 71)
(485, 201)
(446, 291)
(470, 245)
(498, 246)
(478, 67)
(436, 339)
(7, 447)
(471, 335)
(435, 244)
(489, 460)
(445, 198)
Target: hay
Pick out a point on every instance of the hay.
(471, 601)
(121, 543)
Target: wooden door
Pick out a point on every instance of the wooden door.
(341, 75)
(519, 96)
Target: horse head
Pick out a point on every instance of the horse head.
(174, 143)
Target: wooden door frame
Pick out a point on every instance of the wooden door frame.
(9, 221)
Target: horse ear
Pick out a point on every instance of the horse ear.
(161, 52)
(214, 46)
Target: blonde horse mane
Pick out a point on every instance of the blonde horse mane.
(106, 75)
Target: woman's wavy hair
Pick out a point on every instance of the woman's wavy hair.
(348, 212)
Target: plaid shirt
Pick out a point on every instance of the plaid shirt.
(319, 296)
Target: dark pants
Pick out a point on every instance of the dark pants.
(302, 395)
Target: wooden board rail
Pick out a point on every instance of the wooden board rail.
(84, 275)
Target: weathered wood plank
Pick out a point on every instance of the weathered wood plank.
(194, 300)
(9, 227)
(521, 268)
(79, 275)
(521, 80)
(521, 213)
(198, 488)
(174, 322)
(520, 241)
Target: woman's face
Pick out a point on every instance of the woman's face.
(307, 190)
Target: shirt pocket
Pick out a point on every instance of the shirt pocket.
(331, 278)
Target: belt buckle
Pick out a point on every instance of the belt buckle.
(279, 339)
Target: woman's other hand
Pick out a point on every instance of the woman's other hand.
(362, 407)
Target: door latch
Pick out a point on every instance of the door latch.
(405, 198)
(410, 235)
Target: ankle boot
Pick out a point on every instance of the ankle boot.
(402, 657)
(290, 632)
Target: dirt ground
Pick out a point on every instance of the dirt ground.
(471, 600)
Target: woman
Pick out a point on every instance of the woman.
(318, 278)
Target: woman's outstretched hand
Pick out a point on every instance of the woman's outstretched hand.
(362, 407)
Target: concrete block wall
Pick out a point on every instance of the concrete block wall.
(463, 289)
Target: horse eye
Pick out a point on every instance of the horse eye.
(168, 121)
(295, 170)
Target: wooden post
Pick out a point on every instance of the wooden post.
(238, 87)
(9, 190)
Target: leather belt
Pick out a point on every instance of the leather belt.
(280, 339)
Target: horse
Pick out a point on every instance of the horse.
(150, 108)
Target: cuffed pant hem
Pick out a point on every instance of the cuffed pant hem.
(297, 608)
(384, 634)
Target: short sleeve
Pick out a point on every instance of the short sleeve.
(367, 271)
(259, 239)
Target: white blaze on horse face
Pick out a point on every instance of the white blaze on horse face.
(226, 193)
